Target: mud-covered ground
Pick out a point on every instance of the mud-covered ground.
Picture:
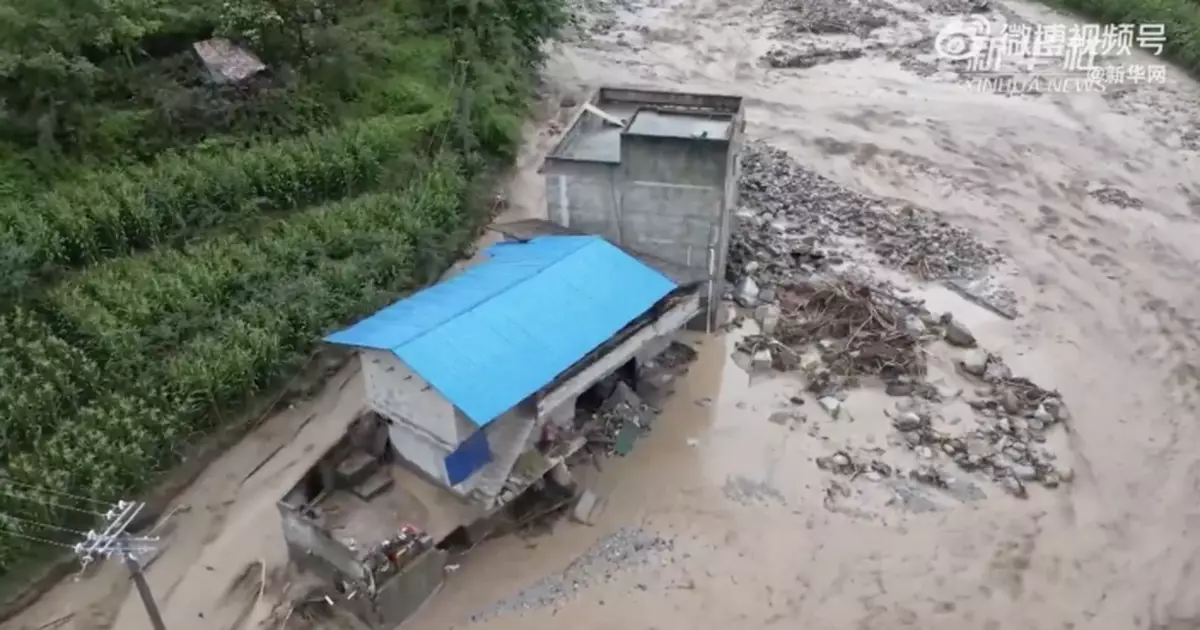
(759, 502)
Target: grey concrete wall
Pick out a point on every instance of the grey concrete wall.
(401, 595)
(313, 549)
(672, 198)
(583, 196)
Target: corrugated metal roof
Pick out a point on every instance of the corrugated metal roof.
(529, 228)
(493, 335)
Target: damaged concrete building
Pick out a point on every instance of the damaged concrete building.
(654, 172)
(474, 386)
(471, 393)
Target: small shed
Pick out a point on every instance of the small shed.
(461, 370)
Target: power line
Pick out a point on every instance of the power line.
(49, 503)
(10, 517)
(10, 482)
(44, 541)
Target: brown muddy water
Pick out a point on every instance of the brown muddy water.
(720, 516)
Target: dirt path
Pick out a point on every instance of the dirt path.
(729, 516)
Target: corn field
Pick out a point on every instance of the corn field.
(144, 303)
(110, 214)
(187, 335)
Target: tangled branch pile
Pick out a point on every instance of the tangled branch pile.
(857, 330)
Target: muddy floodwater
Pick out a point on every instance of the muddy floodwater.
(721, 516)
(1107, 292)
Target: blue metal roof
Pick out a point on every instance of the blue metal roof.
(493, 335)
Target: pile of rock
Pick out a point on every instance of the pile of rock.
(790, 217)
(1007, 449)
(843, 463)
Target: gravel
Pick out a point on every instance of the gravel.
(625, 549)
(790, 218)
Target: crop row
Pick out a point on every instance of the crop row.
(305, 274)
(107, 214)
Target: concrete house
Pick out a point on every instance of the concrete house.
(655, 172)
(470, 388)
(464, 371)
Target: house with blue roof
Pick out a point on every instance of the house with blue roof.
(466, 373)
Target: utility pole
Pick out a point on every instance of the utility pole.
(115, 540)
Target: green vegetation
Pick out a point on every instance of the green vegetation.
(1181, 19)
(171, 247)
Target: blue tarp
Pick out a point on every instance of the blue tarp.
(493, 335)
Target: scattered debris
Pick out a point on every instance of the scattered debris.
(587, 508)
(843, 464)
(677, 355)
(809, 57)
(1008, 449)
(1116, 197)
(786, 418)
(854, 17)
(746, 292)
(998, 300)
(767, 316)
(831, 405)
(762, 359)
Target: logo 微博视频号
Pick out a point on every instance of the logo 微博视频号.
(1055, 51)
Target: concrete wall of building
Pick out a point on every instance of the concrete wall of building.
(400, 395)
(672, 195)
(424, 428)
(584, 196)
(313, 549)
(672, 198)
(402, 594)
(706, 102)
(640, 344)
